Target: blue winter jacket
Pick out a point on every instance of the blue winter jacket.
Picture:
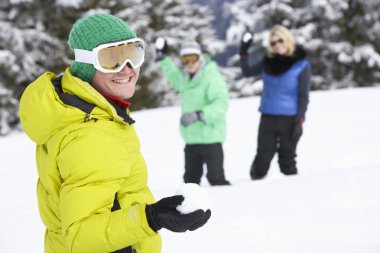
(286, 83)
(280, 92)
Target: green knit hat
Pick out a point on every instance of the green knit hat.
(92, 31)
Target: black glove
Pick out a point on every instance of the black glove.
(164, 214)
(245, 43)
(297, 130)
(190, 117)
(161, 48)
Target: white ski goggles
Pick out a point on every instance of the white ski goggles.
(112, 57)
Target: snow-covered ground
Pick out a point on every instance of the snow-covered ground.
(332, 206)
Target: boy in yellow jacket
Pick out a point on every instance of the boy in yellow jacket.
(92, 187)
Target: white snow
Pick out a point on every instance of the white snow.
(247, 36)
(195, 196)
(73, 3)
(332, 206)
(160, 43)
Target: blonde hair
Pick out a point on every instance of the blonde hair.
(286, 35)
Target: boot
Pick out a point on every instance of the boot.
(223, 182)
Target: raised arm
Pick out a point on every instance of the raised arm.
(247, 69)
(172, 73)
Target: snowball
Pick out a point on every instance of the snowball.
(247, 36)
(195, 198)
(160, 43)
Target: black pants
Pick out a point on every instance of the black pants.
(275, 136)
(198, 154)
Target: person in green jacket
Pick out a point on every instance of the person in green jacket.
(92, 178)
(204, 103)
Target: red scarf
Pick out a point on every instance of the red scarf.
(120, 102)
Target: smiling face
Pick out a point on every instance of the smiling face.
(121, 85)
(278, 45)
(193, 67)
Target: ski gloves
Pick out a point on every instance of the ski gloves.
(245, 43)
(297, 130)
(191, 117)
(161, 48)
(164, 214)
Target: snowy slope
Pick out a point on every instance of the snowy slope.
(333, 205)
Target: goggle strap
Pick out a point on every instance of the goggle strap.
(84, 56)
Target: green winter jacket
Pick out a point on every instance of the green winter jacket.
(206, 92)
(83, 162)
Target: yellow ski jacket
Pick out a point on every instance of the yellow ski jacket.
(89, 163)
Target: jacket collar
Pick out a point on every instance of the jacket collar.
(279, 64)
(116, 108)
(85, 91)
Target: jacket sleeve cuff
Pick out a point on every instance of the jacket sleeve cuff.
(145, 223)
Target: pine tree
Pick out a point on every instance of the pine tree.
(346, 42)
(26, 51)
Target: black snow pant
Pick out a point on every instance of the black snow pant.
(275, 135)
(198, 154)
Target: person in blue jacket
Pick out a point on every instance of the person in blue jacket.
(286, 74)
